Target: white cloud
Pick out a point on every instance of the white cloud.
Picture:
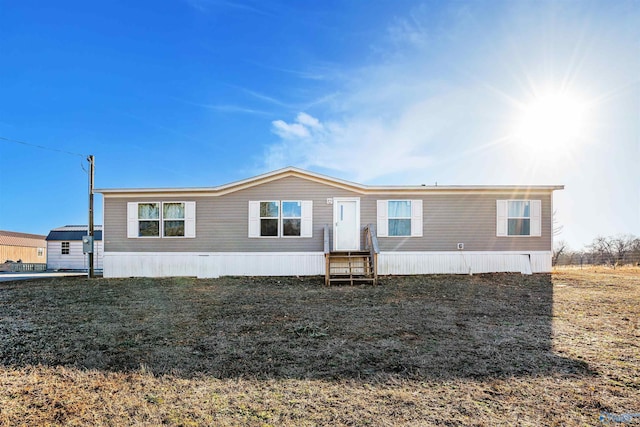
(304, 126)
(363, 147)
(388, 121)
(309, 121)
(290, 130)
(379, 132)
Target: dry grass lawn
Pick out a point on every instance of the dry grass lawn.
(486, 350)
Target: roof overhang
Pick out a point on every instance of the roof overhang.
(334, 182)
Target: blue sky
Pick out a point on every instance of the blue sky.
(205, 92)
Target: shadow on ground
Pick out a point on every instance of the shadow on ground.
(413, 327)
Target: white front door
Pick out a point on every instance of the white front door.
(346, 220)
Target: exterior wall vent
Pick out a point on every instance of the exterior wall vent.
(460, 246)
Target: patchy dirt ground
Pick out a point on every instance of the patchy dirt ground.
(559, 349)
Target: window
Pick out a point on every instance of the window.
(399, 218)
(173, 219)
(161, 219)
(148, 219)
(280, 218)
(291, 218)
(64, 248)
(40, 252)
(518, 218)
(269, 218)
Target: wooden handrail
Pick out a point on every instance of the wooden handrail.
(327, 255)
(371, 242)
(327, 248)
(371, 239)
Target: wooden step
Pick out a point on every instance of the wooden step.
(351, 280)
(349, 267)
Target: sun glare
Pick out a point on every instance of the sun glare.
(551, 122)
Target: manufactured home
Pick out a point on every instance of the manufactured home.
(64, 248)
(296, 222)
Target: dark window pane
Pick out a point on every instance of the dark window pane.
(149, 228)
(269, 209)
(290, 227)
(174, 228)
(519, 227)
(399, 227)
(269, 227)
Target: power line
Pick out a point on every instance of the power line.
(42, 147)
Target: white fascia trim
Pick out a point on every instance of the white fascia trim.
(336, 182)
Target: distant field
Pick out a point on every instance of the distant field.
(484, 350)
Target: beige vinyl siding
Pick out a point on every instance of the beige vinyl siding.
(222, 222)
(449, 219)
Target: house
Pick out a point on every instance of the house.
(64, 248)
(295, 222)
(29, 248)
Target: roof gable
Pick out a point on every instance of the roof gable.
(324, 179)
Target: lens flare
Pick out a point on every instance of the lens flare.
(551, 122)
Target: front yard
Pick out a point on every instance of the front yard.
(559, 349)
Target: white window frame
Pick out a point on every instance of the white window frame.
(277, 202)
(133, 227)
(282, 218)
(40, 252)
(163, 219)
(62, 248)
(138, 236)
(535, 218)
(306, 219)
(416, 218)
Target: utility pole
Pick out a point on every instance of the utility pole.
(91, 173)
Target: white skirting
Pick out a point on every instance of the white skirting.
(391, 263)
(216, 264)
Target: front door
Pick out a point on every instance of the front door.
(346, 219)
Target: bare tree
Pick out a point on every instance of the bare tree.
(621, 246)
(615, 250)
(601, 250)
(621, 249)
(557, 228)
(559, 248)
(635, 251)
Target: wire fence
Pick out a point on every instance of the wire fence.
(19, 267)
(589, 258)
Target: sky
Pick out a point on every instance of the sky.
(198, 93)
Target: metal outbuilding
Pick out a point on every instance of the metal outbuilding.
(64, 248)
